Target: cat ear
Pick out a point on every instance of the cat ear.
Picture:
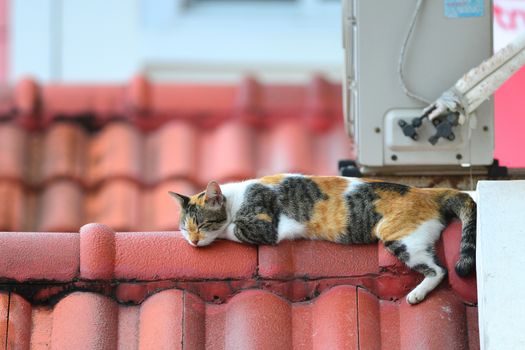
(181, 199)
(214, 194)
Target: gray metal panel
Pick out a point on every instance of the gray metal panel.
(441, 50)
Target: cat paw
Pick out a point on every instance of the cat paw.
(415, 297)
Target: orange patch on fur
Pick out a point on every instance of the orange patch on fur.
(330, 216)
(272, 179)
(198, 199)
(264, 217)
(191, 224)
(193, 230)
(402, 214)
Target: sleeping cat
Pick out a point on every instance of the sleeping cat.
(337, 209)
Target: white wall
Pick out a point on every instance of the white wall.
(500, 261)
(110, 40)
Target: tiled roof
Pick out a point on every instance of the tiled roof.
(252, 319)
(109, 154)
(153, 290)
(72, 155)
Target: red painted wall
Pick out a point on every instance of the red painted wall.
(509, 21)
(510, 122)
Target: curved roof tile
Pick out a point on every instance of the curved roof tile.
(343, 317)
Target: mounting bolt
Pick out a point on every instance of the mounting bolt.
(485, 128)
(377, 130)
(393, 157)
(459, 156)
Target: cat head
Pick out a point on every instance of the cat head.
(203, 216)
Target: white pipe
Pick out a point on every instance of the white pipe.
(482, 81)
(491, 83)
(475, 75)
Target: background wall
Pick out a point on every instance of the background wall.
(100, 40)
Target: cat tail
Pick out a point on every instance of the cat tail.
(463, 207)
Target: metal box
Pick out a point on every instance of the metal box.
(449, 38)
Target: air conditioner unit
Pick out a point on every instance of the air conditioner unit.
(431, 43)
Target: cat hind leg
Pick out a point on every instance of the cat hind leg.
(417, 252)
(434, 274)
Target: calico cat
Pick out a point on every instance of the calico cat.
(337, 209)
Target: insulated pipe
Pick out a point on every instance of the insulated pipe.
(481, 82)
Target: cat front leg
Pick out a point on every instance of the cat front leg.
(229, 233)
(257, 229)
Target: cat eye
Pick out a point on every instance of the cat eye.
(207, 224)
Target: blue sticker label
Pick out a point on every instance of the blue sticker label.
(464, 8)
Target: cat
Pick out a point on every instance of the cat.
(344, 210)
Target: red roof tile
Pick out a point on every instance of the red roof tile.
(173, 153)
(117, 203)
(65, 146)
(294, 259)
(157, 208)
(228, 153)
(29, 256)
(13, 143)
(219, 261)
(290, 148)
(62, 204)
(115, 152)
(13, 206)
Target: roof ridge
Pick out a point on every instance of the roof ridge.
(99, 256)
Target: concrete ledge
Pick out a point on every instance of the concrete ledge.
(500, 260)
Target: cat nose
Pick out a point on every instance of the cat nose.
(195, 241)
